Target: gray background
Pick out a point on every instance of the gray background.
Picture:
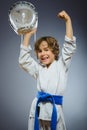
(17, 88)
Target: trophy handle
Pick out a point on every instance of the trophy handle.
(35, 37)
(22, 38)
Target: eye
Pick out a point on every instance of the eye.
(47, 49)
(39, 51)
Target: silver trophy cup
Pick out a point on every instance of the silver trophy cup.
(23, 17)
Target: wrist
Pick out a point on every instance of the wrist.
(26, 40)
(68, 20)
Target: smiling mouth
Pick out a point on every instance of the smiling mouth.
(44, 59)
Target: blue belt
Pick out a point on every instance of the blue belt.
(54, 99)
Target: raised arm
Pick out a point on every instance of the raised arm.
(69, 31)
(25, 60)
(69, 45)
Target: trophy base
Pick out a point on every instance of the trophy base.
(22, 31)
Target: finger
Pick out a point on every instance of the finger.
(61, 16)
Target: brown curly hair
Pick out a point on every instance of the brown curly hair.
(52, 44)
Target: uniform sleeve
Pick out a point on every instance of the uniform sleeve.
(27, 62)
(68, 50)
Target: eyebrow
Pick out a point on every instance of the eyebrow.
(44, 48)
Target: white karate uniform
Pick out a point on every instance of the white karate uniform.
(51, 80)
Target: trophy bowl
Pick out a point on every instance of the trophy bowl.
(23, 17)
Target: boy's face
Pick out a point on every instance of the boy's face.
(45, 55)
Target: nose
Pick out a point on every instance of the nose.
(43, 53)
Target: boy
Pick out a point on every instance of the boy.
(51, 74)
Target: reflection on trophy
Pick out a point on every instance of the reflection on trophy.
(23, 17)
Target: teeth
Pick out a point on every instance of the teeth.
(44, 58)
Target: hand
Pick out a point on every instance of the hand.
(30, 33)
(63, 15)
